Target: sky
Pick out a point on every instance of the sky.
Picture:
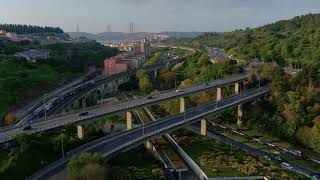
(153, 15)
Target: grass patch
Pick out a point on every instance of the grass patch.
(135, 164)
(217, 159)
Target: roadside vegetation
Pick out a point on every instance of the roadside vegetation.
(217, 159)
(133, 164)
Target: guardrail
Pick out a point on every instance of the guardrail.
(123, 101)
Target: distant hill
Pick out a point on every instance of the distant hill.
(29, 29)
(181, 34)
(81, 34)
(116, 36)
(297, 39)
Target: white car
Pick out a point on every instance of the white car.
(286, 165)
(267, 158)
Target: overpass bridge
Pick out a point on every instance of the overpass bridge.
(109, 147)
(176, 47)
(101, 86)
(109, 84)
(101, 111)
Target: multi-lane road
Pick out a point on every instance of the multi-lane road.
(258, 152)
(134, 137)
(101, 110)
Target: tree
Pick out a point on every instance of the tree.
(315, 135)
(78, 162)
(93, 171)
(293, 111)
(168, 77)
(304, 135)
(145, 84)
(24, 141)
(171, 107)
(141, 73)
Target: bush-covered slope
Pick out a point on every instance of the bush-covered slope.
(297, 39)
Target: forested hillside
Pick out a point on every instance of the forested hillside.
(29, 29)
(297, 39)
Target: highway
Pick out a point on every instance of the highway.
(134, 137)
(27, 109)
(283, 150)
(102, 110)
(258, 152)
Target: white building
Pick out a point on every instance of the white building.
(10, 35)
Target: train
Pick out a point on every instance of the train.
(52, 103)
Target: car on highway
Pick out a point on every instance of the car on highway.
(316, 177)
(149, 97)
(179, 90)
(279, 159)
(83, 114)
(26, 128)
(267, 158)
(286, 165)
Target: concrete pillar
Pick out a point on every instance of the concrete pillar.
(95, 95)
(73, 106)
(129, 120)
(240, 114)
(148, 145)
(182, 105)
(115, 86)
(203, 127)
(219, 94)
(80, 130)
(237, 88)
(84, 102)
(79, 104)
(155, 73)
(102, 91)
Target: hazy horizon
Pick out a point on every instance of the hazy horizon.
(153, 15)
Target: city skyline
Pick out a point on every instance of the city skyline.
(153, 15)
